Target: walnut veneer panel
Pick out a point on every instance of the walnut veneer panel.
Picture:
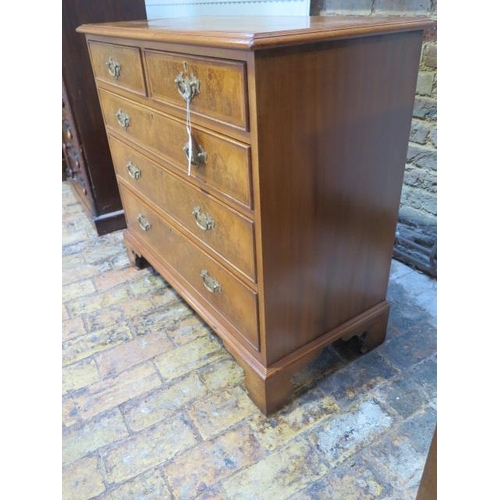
(226, 168)
(222, 93)
(214, 225)
(230, 298)
(118, 65)
(306, 192)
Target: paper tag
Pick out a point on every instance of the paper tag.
(190, 149)
(190, 138)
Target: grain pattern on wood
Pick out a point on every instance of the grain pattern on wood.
(213, 225)
(227, 161)
(328, 231)
(236, 302)
(118, 65)
(257, 32)
(222, 91)
(297, 206)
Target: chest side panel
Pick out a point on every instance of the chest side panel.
(333, 127)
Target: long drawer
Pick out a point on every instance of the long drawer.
(221, 163)
(227, 297)
(221, 229)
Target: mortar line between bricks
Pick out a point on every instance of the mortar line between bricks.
(78, 426)
(192, 425)
(64, 365)
(399, 370)
(86, 332)
(152, 392)
(78, 417)
(149, 311)
(112, 487)
(164, 383)
(76, 391)
(302, 435)
(305, 432)
(218, 483)
(321, 456)
(265, 451)
(164, 476)
(226, 429)
(203, 383)
(133, 328)
(162, 465)
(127, 426)
(331, 465)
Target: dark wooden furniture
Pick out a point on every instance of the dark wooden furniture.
(281, 235)
(88, 163)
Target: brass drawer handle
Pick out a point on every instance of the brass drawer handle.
(187, 85)
(210, 283)
(67, 127)
(113, 67)
(144, 224)
(133, 170)
(198, 154)
(203, 220)
(123, 119)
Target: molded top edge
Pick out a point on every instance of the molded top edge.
(255, 32)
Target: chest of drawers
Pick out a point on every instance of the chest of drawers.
(88, 163)
(260, 165)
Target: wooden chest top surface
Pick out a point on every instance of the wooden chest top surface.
(255, 32)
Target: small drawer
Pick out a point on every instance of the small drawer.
(225, 296)
(119, 65)
(221, 163)
(216, 87)
(221, 229)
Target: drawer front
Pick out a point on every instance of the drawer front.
(118, 65)
(229, 298)
(217, 87)
(226, 164)
(223, 230)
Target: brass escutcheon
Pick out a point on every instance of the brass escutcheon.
(123, 119)
(203, 220)
(198, 154)
(187, 85)
(133, 170)
(113, 67)
(143, 223)
(210, 283)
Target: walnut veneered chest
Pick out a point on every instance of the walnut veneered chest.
(260, 164)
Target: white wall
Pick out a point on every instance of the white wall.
(156, 9)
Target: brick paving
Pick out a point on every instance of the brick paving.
(153, 406)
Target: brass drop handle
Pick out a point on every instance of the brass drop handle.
(133, 170)
(198, 154)
(210, 283)
(187, 85)
(203, 220)
(113, 67)
(144, 224)
(123, 119)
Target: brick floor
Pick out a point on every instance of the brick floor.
(155, 408)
